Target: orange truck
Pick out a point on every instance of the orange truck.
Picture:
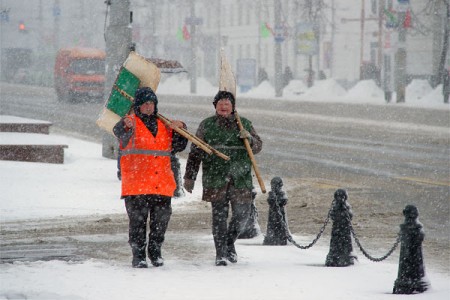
(79, 73)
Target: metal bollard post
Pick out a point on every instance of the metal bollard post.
(340, 254)
(411, 270)
(277, 228)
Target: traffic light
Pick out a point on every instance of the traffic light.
(22, 27)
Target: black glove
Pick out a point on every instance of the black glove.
(189, 185)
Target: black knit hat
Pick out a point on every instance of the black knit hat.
(143, 95)
(224, 95)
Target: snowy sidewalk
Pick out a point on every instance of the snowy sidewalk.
(86, 185)
(263, 272)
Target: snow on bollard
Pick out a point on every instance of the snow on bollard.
(340, 254)
(277, 228)
(411, 270)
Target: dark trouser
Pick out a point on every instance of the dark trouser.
(226, 234)
(138, 209)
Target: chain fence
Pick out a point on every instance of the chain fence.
(322, 229)
(366, 254)
(291, 239)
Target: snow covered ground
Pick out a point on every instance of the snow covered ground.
(86, 184)
(418, 93)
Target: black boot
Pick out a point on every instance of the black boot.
(231, 254)
(139, 260)
(221, 261)
(221, 252)
(154, 253)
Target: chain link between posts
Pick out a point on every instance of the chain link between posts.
(291, 239)
(322, 229)
(366, 254)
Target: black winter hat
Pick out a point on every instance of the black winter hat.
(144, 94)
(224, 95)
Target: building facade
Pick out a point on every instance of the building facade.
(345, 40)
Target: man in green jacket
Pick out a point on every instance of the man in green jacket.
(224, 182)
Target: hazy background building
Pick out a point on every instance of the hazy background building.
(321, 38)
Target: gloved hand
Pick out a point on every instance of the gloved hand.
(128, 122)
(244, 134)
(188, 185)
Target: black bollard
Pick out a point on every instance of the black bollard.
(411, 270)
(340, 254)
(277, 227)
(251, 228)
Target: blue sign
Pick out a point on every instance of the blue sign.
(278, 34)
(193, 21)
(56, 11)
(4, 15)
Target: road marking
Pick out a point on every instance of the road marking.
(425, 181)
(323, 183)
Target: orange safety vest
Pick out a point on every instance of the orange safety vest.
(145, 162)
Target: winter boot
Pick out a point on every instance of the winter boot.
(221, 252)
(221, 261)
(154, 253)
(231, 254)
(139, 264)
(138, 257)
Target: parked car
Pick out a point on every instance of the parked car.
(79, 73)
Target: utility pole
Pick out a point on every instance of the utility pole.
(258, 53)
(380, 35)
(333, 33)
(193, 71)
(361, 54)
(118, 43)
(400, 56)
(153, 22)
(56, 25)
(311, 18)
(278, 62)
(362, 21)
(219, 38)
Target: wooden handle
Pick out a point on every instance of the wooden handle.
(194, 139)
(250, 154)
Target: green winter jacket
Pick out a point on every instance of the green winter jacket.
(215, 169)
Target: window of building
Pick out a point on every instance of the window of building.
(231, 15)
(373, 6)
(240, 14)
(208, 17)
(223, 16)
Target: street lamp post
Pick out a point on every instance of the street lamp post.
(118, 43)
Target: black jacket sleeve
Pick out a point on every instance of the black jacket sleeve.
(179, 142)
(122, 134)
(195, 156)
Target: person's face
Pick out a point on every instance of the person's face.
(224, 107)
(147, 108)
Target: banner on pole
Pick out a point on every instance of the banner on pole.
(306, 42)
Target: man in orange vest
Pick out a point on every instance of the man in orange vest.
(148, 183)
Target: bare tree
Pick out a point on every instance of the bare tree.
(441, 9)
(313, 13)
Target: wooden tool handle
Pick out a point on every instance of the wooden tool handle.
(250, 154)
